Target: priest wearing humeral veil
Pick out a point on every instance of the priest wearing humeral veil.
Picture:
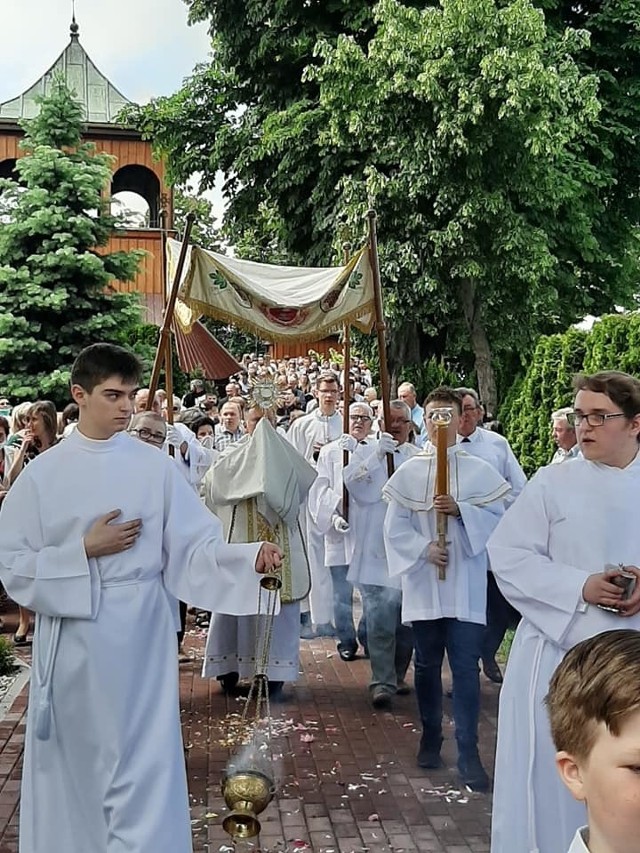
(257, 487)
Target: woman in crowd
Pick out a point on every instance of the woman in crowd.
(39, 434)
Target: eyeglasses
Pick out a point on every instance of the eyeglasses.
(594, 419)
(359, 418)
(146, 435)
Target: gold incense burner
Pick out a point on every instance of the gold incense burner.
(247, 791)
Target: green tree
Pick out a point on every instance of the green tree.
(55, 295)
(545, 387)
(470, 126)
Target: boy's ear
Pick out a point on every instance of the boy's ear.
(570, 773)
(79, 394)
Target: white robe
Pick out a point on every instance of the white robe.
(305, 434)
(569, 522)
(104, 766)
(496, 450)
(365, 478)
(410, 525)
(325, 502)
(260, 476)
(579, 843)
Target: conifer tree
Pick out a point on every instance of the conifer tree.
(55, 277)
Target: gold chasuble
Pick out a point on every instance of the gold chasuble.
(256, 488)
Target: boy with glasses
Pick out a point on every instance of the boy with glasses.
(563, 555)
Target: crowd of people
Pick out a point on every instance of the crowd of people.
(346, 514)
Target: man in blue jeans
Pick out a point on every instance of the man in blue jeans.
(325, 502)
(449, 614)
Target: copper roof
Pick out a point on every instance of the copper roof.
(200, 352)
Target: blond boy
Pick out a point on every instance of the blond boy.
(594, 710)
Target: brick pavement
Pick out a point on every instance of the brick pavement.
(347, 774)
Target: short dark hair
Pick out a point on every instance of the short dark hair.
(4, 424)
(329, 378)
(70, 413)
(445, 394)
(196, 423)
(98, 362)
(621, 388)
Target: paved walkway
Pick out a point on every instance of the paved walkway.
(348, 782)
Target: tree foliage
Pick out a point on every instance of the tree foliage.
(55, 275)
(473, 127)
(612, 344)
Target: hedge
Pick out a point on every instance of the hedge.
(612, 344)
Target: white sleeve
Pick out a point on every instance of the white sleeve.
(406, 545)
(323, 500)
(546, 592)
(55, 580)
(199, 566)
(477, 523)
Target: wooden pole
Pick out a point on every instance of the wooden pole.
(163, 353)
(380, 328)
(442, 487)
(346, 350)
(167, 356)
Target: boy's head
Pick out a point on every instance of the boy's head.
(443, 398)
(594, 710)
(104, 379)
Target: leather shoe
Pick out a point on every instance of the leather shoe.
(472, 773)
(492, 671)
(381, 697)
(347, 653)
(429, 754)
(403, 689)
(229, 681)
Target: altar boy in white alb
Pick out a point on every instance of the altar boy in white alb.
(308, 435)
(445, 614)
(550, 556)
(97, 536)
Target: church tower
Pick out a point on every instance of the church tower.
(135, 170)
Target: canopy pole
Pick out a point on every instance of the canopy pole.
(346, 350)
(380, 328)
(168, 365)
(163, 352)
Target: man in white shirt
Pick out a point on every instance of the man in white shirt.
(327, 510)
(564, 436)
(446, 614)
(308, 435)
(389, 641)
(495, 450)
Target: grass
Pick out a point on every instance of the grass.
(7, 658)
(505, 646)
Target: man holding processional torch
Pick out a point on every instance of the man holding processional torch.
(443, 506)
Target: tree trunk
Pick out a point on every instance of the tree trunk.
(402, 351)
(472, 309)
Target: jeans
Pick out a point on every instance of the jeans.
(390, 642)
(463, 643)
(500, 616)
(343, 607)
